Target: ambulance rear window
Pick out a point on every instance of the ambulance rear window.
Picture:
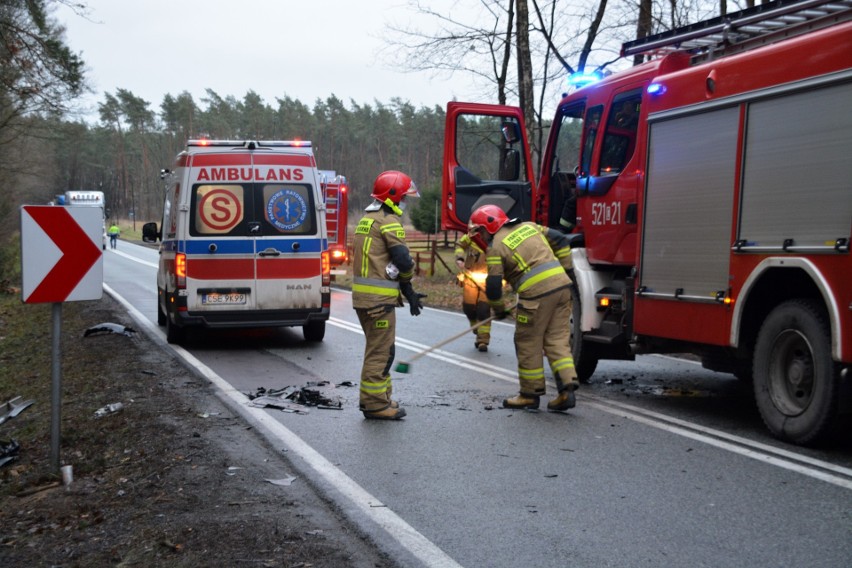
(219, 209)
(253, 210)
(287, 209)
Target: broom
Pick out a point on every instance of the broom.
(405, 366)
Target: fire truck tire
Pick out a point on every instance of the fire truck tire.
(796, 383)
(175, 334)
(584, 364)
(314, 331)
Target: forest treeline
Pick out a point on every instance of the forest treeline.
(132, 142)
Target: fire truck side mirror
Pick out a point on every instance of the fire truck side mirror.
(511, 132)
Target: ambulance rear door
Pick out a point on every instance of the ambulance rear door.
(288, 232)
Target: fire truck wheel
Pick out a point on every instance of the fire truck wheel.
(796, 383)
(584, 363)
(314, 331)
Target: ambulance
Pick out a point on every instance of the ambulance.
(243, 239)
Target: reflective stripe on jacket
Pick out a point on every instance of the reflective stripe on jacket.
(523, 255)
(376, 234)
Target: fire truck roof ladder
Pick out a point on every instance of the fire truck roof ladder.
(744, 30)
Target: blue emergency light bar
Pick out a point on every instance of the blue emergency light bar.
(583, 78)
(656, 89)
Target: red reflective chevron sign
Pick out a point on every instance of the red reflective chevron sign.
(60, 256)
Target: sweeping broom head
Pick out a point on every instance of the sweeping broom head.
(403, 367)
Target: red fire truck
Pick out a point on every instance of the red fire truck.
(711, 192)
(335, 189)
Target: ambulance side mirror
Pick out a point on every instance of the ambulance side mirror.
(150, 234)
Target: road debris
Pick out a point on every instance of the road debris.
(109, 409)
(284, 481)
(9, 451)
(67, 472)
(297, 400)
(13, 407)
(107, 327)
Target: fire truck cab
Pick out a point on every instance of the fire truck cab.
(709, 195)
(244, 240)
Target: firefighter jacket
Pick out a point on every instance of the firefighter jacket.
(533, 259)
(469, 252)
(379, 241)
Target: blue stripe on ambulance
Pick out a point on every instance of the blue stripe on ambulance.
(247, 246)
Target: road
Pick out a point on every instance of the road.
(662, 463)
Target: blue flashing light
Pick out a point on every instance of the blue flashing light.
(656, 89)
(583, 78)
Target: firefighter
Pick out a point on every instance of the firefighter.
(535, 261)
(471, 262)
(382, 272)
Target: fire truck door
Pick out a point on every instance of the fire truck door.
(486, 161)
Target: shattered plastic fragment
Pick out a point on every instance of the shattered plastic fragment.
(284, 481)
(107, 327)
(276, 402)
(13, 407)
(292, 399)
(9, 451)
(108, 409)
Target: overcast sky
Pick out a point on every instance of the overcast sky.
(304, 49)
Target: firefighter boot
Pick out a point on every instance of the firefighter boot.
(565, 399)
(522, 401)
(391, 412)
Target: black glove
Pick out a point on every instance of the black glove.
(501, 314)
(414, 303)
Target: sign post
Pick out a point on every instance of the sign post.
(61, 262)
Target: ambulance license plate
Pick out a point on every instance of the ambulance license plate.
(223, 299)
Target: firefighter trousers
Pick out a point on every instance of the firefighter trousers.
(379, 325)
(544, 326)
(475, 306)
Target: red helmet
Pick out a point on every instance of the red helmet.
(488, 217)
(393, 185)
